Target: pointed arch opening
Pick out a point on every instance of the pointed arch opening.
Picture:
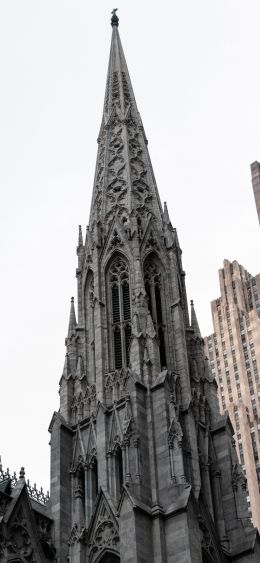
(119, 312)
(207, 557)
(109, 557)
(153, 280)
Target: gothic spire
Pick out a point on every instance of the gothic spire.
(166, 217)
(119, 91)
(194, 321)
(80, 240)
(124, 180)
(72, 321)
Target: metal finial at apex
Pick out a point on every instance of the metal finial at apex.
(114, 19)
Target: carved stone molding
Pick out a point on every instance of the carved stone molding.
(77, 534)
(116, 241)
(106, 536)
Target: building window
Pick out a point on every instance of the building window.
(153, 288)
(120, 311)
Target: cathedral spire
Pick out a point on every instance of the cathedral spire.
(124, 182)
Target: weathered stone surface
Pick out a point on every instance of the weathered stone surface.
(154, 474)
(143, 469)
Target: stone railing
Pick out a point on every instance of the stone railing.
(34, 493)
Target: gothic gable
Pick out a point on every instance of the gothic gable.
(118, 234)
(19, 537)
(79, 452)
(92, 443)
(151, 240)
(115, 433)
(103, 531)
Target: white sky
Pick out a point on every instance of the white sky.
(195, 71)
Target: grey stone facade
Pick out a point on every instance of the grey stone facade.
(143, 466)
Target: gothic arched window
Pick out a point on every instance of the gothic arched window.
(153, 288)
(120, 311)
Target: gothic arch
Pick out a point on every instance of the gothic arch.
(207, 558)
(111, 257)
(119, 316)
(154, 271)
(108, 557)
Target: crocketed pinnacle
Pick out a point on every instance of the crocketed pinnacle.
(72, 321)
(194, 321)
(166, 218)
(80, 240)
(124, 182)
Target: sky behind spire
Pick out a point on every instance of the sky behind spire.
(194, 69)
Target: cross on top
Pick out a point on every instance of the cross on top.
(114, 19)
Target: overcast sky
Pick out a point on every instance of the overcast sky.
(195, 72)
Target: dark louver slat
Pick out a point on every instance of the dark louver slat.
(115, 304)
(158, 303)
(126, 301)
(162, 347)
(118, 348)
(128, 334)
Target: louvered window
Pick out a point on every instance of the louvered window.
(116, 304)
(121, 312)
(126, 300)
(128, 333)
(118, 348)
(158, 302)
(153, 288)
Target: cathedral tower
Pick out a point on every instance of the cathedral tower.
(143, 467)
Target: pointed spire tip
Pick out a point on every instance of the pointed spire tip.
(114, 19)
(194, 320)
(80, 241)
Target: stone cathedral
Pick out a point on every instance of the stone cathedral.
(143, 466)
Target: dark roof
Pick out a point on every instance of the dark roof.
(5, 486)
